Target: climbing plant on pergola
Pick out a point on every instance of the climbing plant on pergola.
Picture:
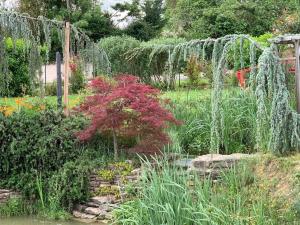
(278, 126)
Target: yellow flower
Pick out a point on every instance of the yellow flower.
(27, 105)
(42, 107)
(7, 110)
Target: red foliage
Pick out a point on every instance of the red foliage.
(131, 109)
(73, 66)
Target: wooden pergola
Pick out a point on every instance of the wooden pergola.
(293, 40)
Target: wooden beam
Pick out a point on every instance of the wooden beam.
(66, 68)
(297, 74)
(286, 39)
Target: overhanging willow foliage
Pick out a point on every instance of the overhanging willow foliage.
(36, 34)
(278, 124)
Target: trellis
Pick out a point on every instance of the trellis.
(278, 126)
(37, 32)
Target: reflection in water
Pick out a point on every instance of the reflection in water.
(36, 221)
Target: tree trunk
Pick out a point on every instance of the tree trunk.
(116, 155)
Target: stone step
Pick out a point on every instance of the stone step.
(81, 215)
(2, 191)
(92, 204)
(100, 200)
(94, 211)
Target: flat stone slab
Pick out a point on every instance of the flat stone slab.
(183, 163)
(214, 161)
(103, 199)
(212, 164)
(84, 216)
(94, 211)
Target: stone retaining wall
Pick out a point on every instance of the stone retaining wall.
(6, 194)
(100, 207)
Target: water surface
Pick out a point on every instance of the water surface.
(36, 221)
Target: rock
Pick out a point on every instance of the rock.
(136, 172)
(94, 211)
(131, 178)
(102, 215)
(129, 161)
(109, 216)
(103, 199)
(2, 191)
(105, 185)
(92, 204)
(4, 195)
(183, 163)
(81, 215)
(216, 161)
(80, 207)
(212, 164)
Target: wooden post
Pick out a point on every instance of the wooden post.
(297, 74)
(45, 74)
(66, 68)
(59, 83)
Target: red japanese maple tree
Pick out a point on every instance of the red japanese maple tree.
(124, 107)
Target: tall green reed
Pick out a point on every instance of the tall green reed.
(194, 110)
(170, 196)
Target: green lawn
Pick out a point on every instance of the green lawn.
(51, 100)
(182, 95)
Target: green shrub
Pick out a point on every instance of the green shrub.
(116, 48)
(16, 207)
(41, 157)
(69, 185)
(77, 79)
(36, 142)
(51, 89)
(199, 72)
(17, 80)
(193, 70)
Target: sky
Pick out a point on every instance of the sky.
(108, 3)
(106, 6)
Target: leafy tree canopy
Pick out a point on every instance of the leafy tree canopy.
(148, 19)
(86, 14)
(211, 18)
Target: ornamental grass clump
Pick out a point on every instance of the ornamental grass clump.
(171, 196)
(124, 108)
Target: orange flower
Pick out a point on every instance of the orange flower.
(27, 105)
(18, 101)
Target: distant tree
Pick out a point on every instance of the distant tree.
(141, 30)
(212, 18)
(96, 24)
(86, 14)
(148, 18)
(126, 108)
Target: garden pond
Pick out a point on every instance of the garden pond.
(37, 221)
